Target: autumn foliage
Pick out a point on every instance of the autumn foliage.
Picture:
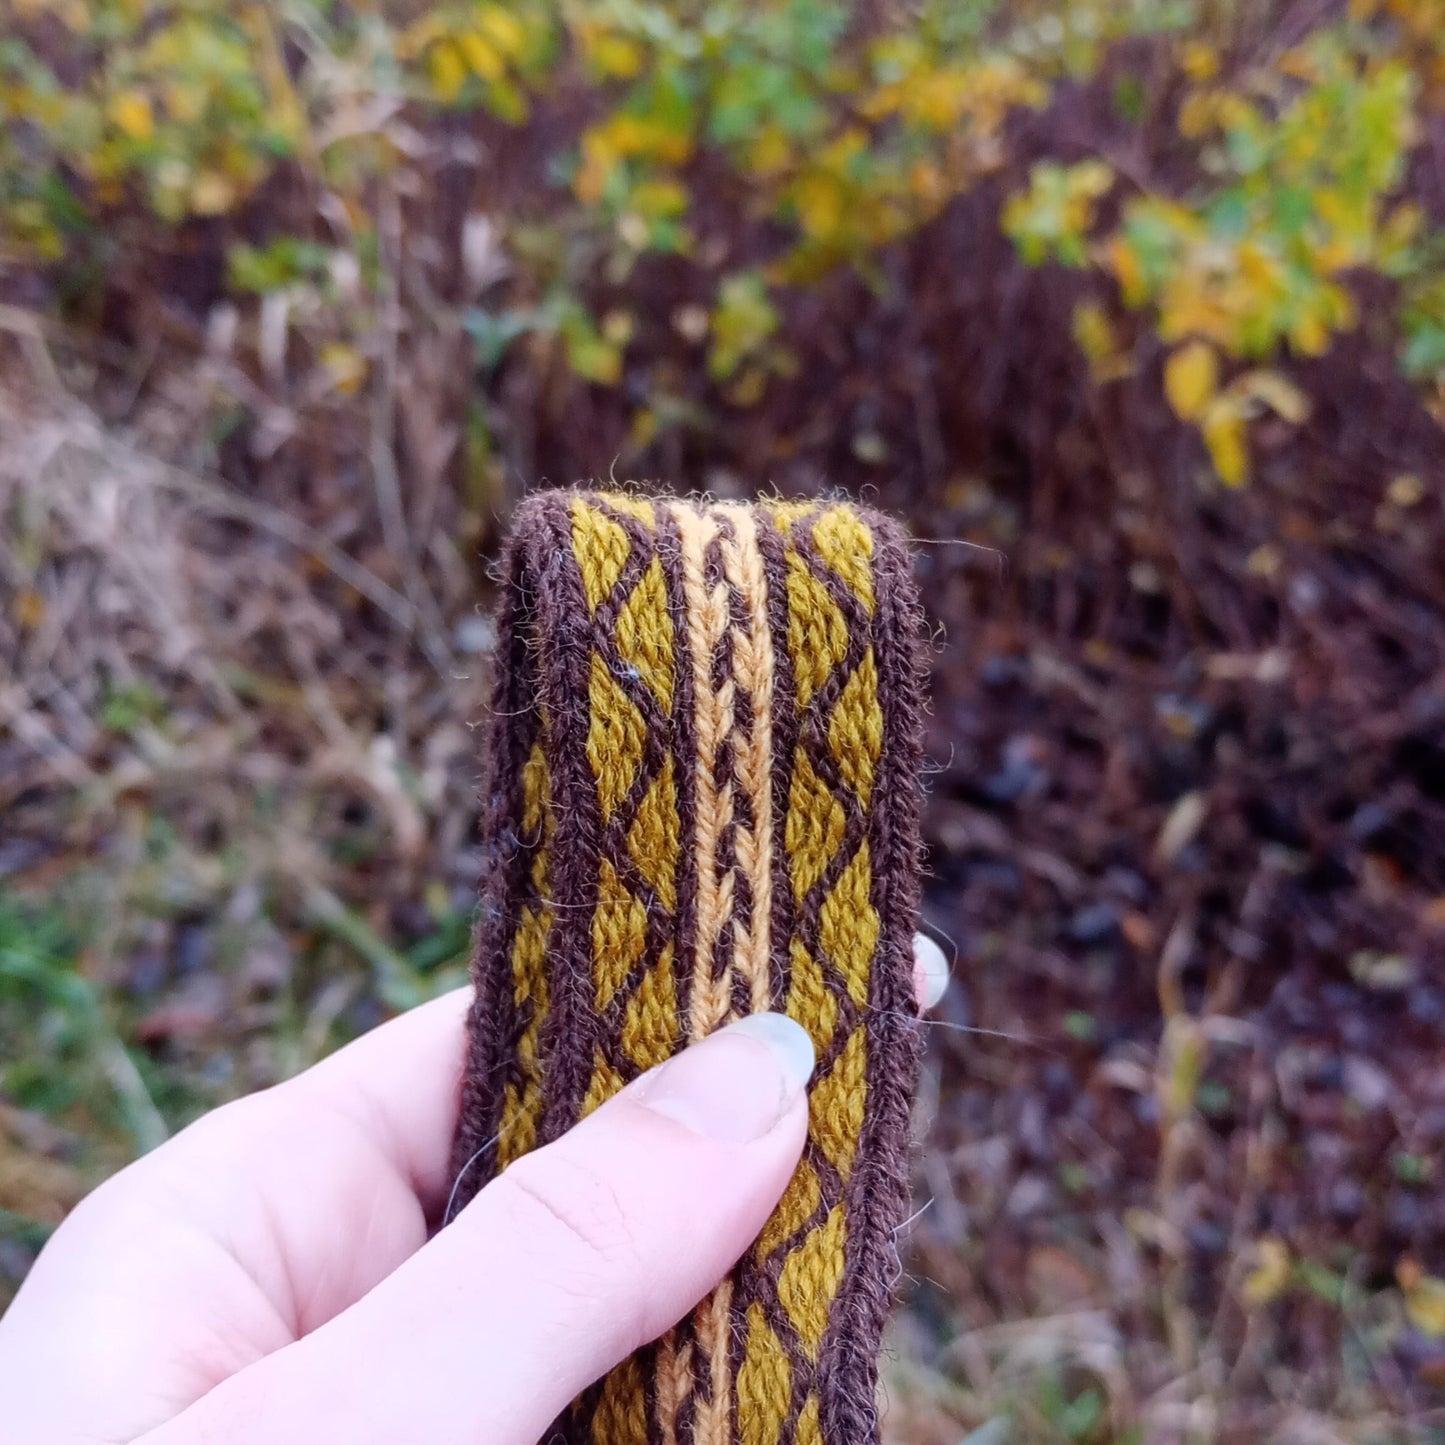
(761, 148)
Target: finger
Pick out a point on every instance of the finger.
(391, 1096)
(325, 1183)
(574, 1257)
(930, 972)
(252, 1227)
(401, 1085)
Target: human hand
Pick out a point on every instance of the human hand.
(269, 1275)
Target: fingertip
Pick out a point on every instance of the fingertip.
(735, 1085)
(930, 972)
(789, 1043)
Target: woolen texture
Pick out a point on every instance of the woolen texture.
(703, 800)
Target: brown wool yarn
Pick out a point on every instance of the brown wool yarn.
(703, 800)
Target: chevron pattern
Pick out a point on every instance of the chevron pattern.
(787, 1289)
(630, 741)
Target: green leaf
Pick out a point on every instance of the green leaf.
(1129, 98)
(742, 321)
(1081, 1416)
(1423, 355)
(1294, 208)
(1323, 1283)
(493, 332)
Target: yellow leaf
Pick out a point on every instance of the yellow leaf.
(599, 161)
(927, 185)
(769, 151)
(615, 57)
(1093, 331)
(504, 30)
(819, 199)
(1197, 114)
(1200, 61)
(1402, 228)
(593, 357)
(1425, 1305)
(1281, 396)
(482, 58)
(1182, 1057)
(28, 609)
(185, 102)
(448, 71)
(742, 322)
(934, 99)
(1264, 272)
(1223, 428)
(655, 199)
(346, 364)
(1271, 1276)
(643, 430)
(1309, 335)
(130, 113)
(749, 388)
(1128, 270)
(1191, 377)
(212, 194)
(636, 135)
(1090, 179)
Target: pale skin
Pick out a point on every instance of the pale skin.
(274, 1275)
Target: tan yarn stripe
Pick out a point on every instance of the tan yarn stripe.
(752, 756)
(674, 1383)
(714, 1335)
(707, 621)
(753, 749)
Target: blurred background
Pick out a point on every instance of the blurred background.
(1133, 309)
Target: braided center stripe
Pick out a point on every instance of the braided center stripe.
(703, 802)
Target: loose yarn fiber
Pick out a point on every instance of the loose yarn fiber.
(703, 799)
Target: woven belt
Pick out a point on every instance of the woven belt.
(703, 802)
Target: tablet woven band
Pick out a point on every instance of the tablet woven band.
(703, 802)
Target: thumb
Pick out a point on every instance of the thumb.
(571, 1259)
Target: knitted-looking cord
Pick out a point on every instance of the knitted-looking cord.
(718, 704)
